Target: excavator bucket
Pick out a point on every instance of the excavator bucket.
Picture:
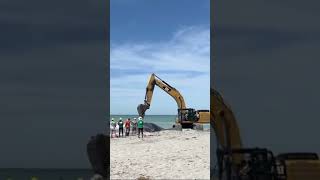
(142, 109)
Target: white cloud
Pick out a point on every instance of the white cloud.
(183, 62)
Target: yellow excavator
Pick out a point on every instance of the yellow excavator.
(237, 163)
(234, 162)
(187, 117)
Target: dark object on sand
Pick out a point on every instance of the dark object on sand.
(99, 154)
(151, 127)
(143, 178)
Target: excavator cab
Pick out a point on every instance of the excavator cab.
(257, 164)
(187, 117)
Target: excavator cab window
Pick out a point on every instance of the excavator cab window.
(258, 163)
(187, 115)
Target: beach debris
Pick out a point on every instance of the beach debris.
(143, 178)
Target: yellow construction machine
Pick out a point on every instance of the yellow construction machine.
(187, 117)
(235, 162)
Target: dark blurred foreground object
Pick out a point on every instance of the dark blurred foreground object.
(99, 156)
(234, 162)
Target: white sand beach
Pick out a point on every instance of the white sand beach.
(166, 154)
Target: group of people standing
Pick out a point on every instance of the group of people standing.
(128, 124)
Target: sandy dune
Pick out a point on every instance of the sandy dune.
(162, 155)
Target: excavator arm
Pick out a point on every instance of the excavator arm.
(225, 125)
(156, 81)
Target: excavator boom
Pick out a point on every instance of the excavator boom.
(153, 81)
(224, 124)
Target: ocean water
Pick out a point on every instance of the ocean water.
(45, 174)
(164, 121)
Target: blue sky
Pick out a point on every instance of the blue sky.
(169, 38)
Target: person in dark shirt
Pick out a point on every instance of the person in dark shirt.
(120, 124)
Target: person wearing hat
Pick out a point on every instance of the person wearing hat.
(120, 124)
(113, 127)
(140, 127)
(134, 126)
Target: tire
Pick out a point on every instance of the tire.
(187, 126)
